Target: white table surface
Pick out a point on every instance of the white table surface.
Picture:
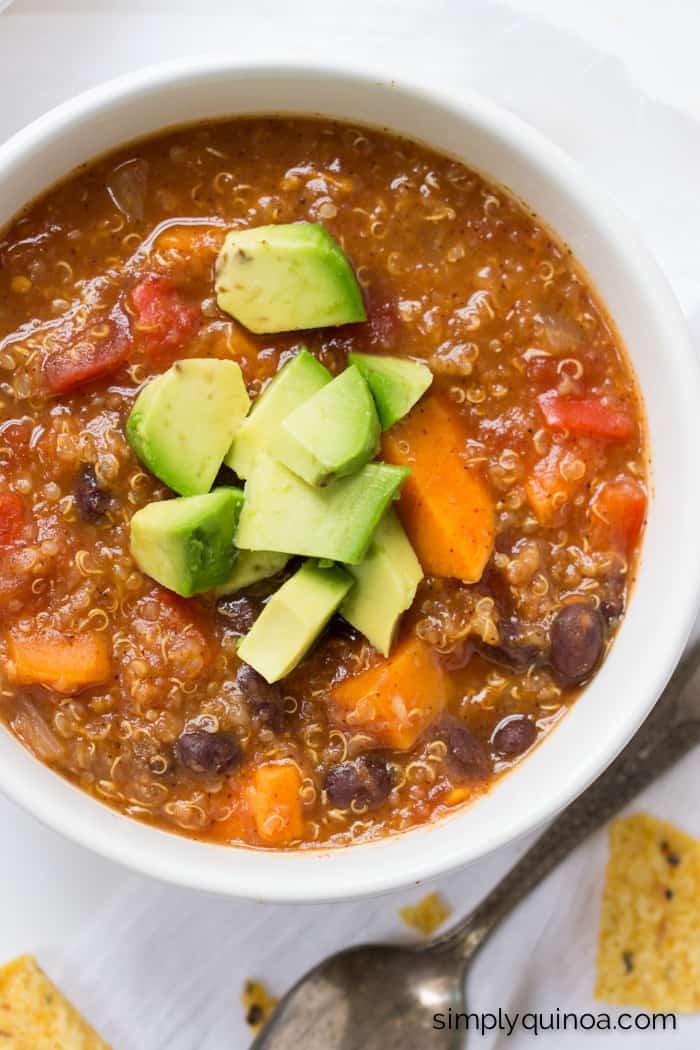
(615, 82)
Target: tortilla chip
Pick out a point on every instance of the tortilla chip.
(35, 1016)
(427, 915)
(257, 1003)
(649, 939)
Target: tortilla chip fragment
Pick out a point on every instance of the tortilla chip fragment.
(649, 938)
(35, 1016)
(257, 1003)
(427, 915)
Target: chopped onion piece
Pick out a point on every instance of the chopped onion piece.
(127, 187)
(31, 728)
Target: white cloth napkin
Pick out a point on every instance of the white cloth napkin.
(617, 84)
(161, 968)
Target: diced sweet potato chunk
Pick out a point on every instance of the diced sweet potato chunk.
(396, 700)
(276, 804)
(445, 506)
(64, 664)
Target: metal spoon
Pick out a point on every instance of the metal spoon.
(381, 997)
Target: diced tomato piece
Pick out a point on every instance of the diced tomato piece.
(177, 611)
(586, 415)
(618, 511)
(90, 353)
(15, 436)
(166, 320)
(180, 615)
(12, 518)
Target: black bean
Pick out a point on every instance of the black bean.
(240, 612)
(93, 500)
(514, 735)
(510, 652)
(366, 782)
(343, 785)
(612, 605)
(612, 609)
(494, 584)
(376, 777)
(340, 628)
(577, 634)
(226, 476)
(465, 752)
(456, 658)
(161, 764)
(265, 701)
(204, 752)
(512, 657)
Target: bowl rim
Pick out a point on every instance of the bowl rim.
(308, 875)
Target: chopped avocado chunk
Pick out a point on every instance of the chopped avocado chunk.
(385, 586)
(296, 381)
(332, 434)
(282, 278)
(187, 543)
(283, 513)
(183, 422)
(293, 619)
(395, 382)
(251, 566)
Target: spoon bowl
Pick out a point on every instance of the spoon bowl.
(376, 997)
(383, 997)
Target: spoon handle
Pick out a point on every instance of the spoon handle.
(671, 730)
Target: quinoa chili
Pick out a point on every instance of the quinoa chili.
(137, 695)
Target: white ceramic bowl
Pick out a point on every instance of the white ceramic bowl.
(663, 604)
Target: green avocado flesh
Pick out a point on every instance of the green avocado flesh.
(293, 619)
(332, 434)
(304, 449)
(187, 544)
(396, 384)
(182, 423)
(283, 278)
(250, 567)
(385, 584)
(283, 513)
(298, 380)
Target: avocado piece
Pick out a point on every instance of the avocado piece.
(332, 434)
(182, 423)
(293, 619)
(286, 277)
(299, 379)
(385, 586)
(250, 567)
(396, 383)
(186, 544)
(283, 513)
